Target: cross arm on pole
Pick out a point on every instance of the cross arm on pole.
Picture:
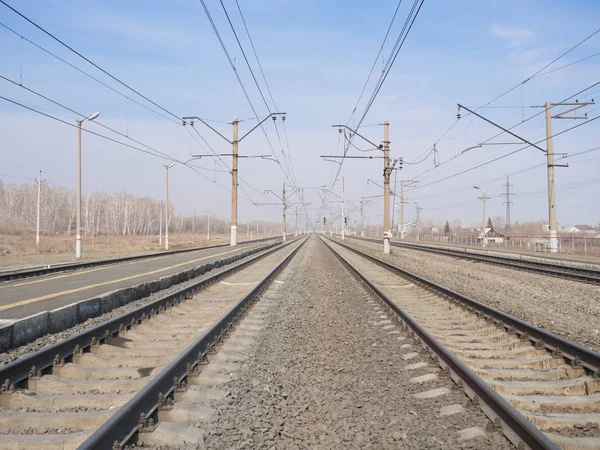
(198, 118)
(380, 146)
(498, 126)
(261, 122)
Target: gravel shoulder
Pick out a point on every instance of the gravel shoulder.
(330, 371)
(567, 308)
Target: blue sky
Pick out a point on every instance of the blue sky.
(316, 56)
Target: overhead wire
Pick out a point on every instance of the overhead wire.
(222, 43)
(88, 60)
(536, 74)
(408, 24)
(502, 156)
(254, 77)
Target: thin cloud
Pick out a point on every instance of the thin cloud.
(515, 37)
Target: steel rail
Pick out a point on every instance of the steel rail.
(497, 407)
(556, 344)
(122, 426)
(19, 371)
(584, 275)
(30, 272)
(556, 270)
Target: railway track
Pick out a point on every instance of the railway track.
(555, 270)
(141, 377)
(541, 390)
(29, 272)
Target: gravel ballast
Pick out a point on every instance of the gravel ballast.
(567, 308)
(329, 370)
(52, 338)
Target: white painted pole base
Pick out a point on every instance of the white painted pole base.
(233, 235)
(553, 242)
(166, 242)
(284, 238)
(386, 245)
(78, 246)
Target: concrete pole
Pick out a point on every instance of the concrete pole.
(284, 206)
(234, 184)
(386, 187)
(160, 214)
(484, 199)
(167, 210)
(401, 220)
(39, 196)
(551, 193)
(78, 229)
(208, 228)
(296, 234)
(343, 215)
(362, 219)
(330, 222)
(247, 229)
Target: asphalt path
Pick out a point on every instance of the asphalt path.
(22, 298)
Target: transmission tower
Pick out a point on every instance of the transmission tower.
(507, 195)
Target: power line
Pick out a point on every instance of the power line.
(88, 60)
(88, 75)
(512, 127)
(256, 55)
(408, 24)
(244, 55)
(290, 172)
(83, 115)
(543, 68)
(214, 27)
(105, 137)
(503, 156)
(375, 61)
(534, 75)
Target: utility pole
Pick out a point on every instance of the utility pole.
(296, 234)
(507, 194)
(284, 207)
(552, 231)
(208, 227)
(39, 198)
(78, 231)
(343, 215)
(160, 214)
(362, 218)
(386, 187)
(193, 220)
(234, 163)
(234, 183)
(419, 209)
(330, 222)
(167, 167)
(403, 184)
(484, 199)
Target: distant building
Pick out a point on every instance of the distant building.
(585, 229)
(412, 228)
(492, 236)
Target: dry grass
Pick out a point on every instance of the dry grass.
(21, 251)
